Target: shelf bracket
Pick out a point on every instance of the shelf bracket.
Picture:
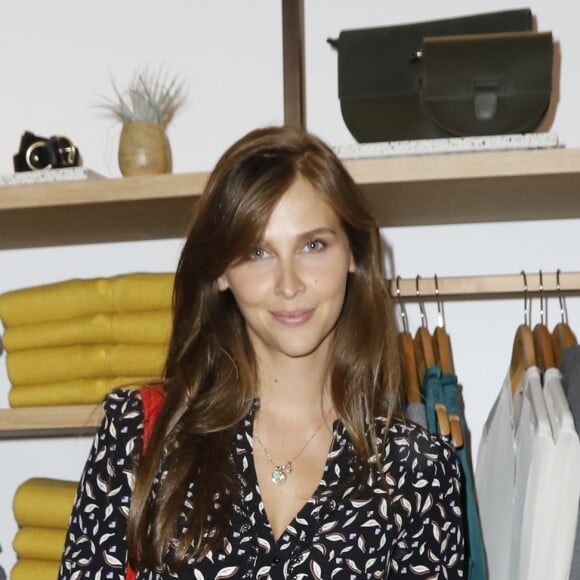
(293, 55)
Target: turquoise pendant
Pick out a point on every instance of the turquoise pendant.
(281, 472)
(278, 476)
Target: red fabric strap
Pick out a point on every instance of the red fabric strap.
(152, 400)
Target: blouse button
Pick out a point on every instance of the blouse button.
(275, 560)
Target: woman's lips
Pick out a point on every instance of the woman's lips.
(293, 317)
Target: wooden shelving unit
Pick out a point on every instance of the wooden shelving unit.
(402, 191)
(49, 421)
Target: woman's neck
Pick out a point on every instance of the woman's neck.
(293, 385)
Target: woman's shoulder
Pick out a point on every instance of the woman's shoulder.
(121, 402)
(131, 400)
(123, 411)
(411, 448)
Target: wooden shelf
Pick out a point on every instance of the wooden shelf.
(402, 191)
(472, 187)
(49, 421)
(98, 210)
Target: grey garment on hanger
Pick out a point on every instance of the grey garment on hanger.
(416, 412)
(570, 369)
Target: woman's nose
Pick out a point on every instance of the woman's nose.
(289, 283)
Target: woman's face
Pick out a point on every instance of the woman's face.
(291, 289)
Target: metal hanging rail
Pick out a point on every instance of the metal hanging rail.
(495, 286)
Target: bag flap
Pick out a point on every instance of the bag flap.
(489, 83)
(378, 62)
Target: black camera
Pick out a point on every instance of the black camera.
(38, 153)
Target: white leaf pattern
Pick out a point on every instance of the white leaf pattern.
(228, 572)
(316, 570)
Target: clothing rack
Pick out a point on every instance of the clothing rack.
(494, 286)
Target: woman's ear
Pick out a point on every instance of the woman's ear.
(223, 283)
(352, 264)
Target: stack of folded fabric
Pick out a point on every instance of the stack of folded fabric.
(42, 509)
(71, 342)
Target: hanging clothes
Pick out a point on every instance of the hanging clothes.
(565, 481)
(494, 477)
(417, 413)
(570, 369)
(441, 390)
(533, 450)
(528, 480)
(476, 557)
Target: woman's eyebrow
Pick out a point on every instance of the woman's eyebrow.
(316, 232)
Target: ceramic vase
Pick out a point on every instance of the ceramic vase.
(144, 149)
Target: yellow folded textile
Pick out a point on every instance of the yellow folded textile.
(35, 570)
(78, 392)
(67, 363)
(39, 543)
(78, 298)
(148, 327)
(44, 502)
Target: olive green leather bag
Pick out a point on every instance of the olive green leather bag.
(486, 74)
(487, 84)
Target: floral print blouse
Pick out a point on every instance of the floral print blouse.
(413, 530)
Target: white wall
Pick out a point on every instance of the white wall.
(55, 67)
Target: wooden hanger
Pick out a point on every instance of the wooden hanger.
(444, 360)
(523, 355)
(424, 353)
(562, 336)
(425, 357)
(523, 350)
(542, 336)
(543, 348)
(562, 339)
(408, 360)
(442, 350)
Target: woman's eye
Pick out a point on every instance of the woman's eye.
(258, 254)
(315, 246)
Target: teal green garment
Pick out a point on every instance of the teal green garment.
(443, 388)
(433, 394)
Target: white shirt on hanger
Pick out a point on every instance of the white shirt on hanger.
(534, 451)
(551, 510)
(494, 480)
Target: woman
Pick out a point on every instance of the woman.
(279, 451)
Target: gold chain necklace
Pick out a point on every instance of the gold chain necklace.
(283, 470)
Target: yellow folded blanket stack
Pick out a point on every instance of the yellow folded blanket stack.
(42, 510)
(72, 342)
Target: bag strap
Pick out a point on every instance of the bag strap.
(152, 400)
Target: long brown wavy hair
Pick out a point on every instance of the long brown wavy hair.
(210, 375)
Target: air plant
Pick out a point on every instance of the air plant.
(151, 97)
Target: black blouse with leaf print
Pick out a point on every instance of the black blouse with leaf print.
(413, 530)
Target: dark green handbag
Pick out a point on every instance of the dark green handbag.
(382, 84)
(487, 84)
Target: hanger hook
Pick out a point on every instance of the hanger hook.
(526, 301)
(420, 302)
(401, 307)
(440, 316)
(542, 298)
(563, 310)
